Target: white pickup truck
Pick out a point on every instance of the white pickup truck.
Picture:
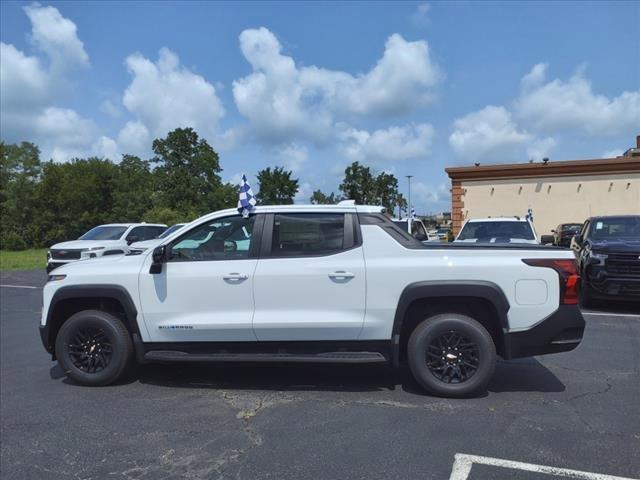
(315, 283)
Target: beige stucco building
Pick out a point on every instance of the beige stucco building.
(557, 192)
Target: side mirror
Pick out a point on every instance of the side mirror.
(131, 239)
(553, 231)
(578, 239)
(159, 257)
(546, 239)
(420, 237)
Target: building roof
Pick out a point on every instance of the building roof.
(624, 164)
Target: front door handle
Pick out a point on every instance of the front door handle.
(341, 274)
(235, 276)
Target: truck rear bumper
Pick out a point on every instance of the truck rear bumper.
(560, 332)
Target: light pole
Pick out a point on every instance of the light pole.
(409, 177)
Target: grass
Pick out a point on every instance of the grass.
(35, 259)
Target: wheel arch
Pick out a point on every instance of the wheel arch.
(72, 299)
(482, 300)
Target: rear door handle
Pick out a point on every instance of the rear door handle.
(341, 274)
(235, 276)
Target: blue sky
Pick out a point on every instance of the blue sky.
(405, 87)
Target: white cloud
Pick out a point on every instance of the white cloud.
(285, 102)
(63, 133)
(106, 147)
(488, 133)
(613, 153)
(24, 82)
(57, 37)
(110, 109)
(388, 145)
(420, 16)
(562, 105)
(540, 148)
(165, 95)
(31, 88)
(305, 190)
(134, 138)
(293, 156)
(428, 198)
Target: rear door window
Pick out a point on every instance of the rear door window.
(307, 234)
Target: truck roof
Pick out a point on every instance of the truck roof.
(344, 207)
(132, 224)
(497, 219)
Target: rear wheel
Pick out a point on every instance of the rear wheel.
(451, 355)
(93, 348)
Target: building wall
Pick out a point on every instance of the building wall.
(553, 200)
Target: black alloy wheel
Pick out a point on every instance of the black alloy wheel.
(452, 357)
(94, 347)
(90, 350)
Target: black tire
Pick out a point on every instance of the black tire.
(451, 374)
(93, 348)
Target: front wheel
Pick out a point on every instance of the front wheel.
(451, 355)
(93, 348)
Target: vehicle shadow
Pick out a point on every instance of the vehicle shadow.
(524, 375)
(527, 375)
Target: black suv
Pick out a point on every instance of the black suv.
(608, 255)
(564, 232)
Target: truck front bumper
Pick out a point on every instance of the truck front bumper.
(560, 332)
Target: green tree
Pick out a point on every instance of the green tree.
(276, 187)
(75, 196)
(20, 171)
(186, 175)
(320, 198)
(361, 185)
(358, 184)
(132, 190)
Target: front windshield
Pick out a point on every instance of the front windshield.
(485, 231)
(104, 233)
(573, 227)
(171, 229)
(403, 225)
(615, 228)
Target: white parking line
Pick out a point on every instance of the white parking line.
(19, 286)
(463, 463)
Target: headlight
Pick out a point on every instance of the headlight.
(598, 258)
(55, 278)
(95, 248)
(48, 255)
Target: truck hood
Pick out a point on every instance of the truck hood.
(616, 246)
(498, 240)
(92, 264)
(86, 244)
(146, 244)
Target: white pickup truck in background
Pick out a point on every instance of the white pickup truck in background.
(313, 284)
(109, 239)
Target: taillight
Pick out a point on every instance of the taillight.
(568, 273)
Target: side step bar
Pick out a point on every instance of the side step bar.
(326, 357)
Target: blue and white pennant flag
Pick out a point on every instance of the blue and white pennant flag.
(413, 213)
(246, 199)
(529, 215)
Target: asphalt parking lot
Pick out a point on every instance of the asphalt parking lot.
(573, 411)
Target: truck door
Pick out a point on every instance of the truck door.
(310, 280)
(205, 291)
